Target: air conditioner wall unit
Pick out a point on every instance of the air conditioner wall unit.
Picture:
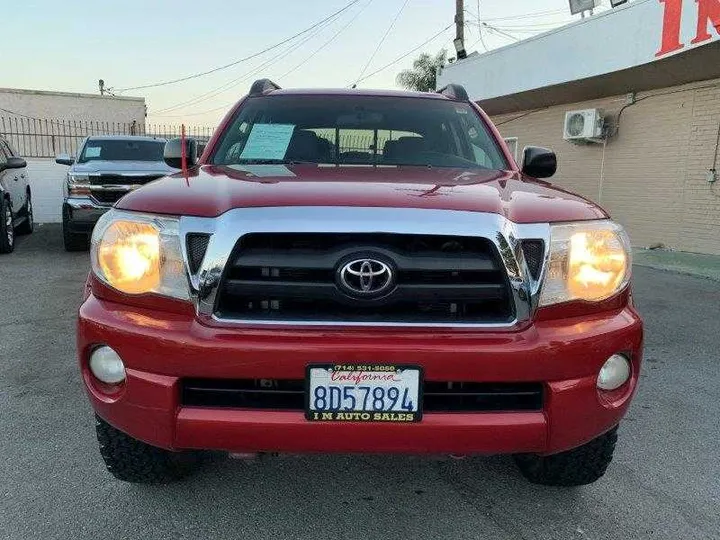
(584, 125)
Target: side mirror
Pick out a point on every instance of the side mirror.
(64, 159)
(15, 163)
(539, 162)
(173, 153)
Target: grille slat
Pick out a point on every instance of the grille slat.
(122, 179)
(312, 260)
(290, 395)
(108, 197)
(294, 276)
(324, 291)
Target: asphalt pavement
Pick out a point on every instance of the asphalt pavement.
(663, 484)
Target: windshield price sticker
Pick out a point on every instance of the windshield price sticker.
(363, 393)
(268, 141)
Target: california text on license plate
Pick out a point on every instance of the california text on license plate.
(363, 393)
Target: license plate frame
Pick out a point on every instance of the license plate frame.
(364, 415)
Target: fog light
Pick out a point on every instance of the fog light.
(107, 366)
(614, 373)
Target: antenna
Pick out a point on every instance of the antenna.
(183, 155)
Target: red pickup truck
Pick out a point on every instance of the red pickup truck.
(363, 272)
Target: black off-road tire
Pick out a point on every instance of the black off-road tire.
(131, 460)
(576, 467)
(7, 232)
(74, 241)
(27, 226)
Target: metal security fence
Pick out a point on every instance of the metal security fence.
(364, 141)
(47, 138)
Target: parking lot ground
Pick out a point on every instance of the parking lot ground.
(663, 484)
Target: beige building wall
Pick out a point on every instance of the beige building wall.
(70, 106)
(651, 175)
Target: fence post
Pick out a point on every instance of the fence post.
(65, 132)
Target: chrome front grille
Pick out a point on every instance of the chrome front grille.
(110, 188)
(235, 283)
(297, 276)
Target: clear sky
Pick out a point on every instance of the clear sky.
(68, 46)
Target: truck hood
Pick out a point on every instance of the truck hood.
(122, 167)
(211, 190)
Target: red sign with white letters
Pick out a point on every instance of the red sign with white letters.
(708, 20)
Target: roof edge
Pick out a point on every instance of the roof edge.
(30, 92)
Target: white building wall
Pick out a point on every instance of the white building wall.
(621, 38)
(70, 106)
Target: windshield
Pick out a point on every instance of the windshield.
(122, 150)
(358, 130)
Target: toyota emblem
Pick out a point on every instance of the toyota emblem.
(366, 277)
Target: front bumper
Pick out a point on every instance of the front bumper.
(80, 214)
(159, 349)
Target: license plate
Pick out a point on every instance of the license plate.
(363, 393)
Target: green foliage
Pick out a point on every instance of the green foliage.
(423, 76)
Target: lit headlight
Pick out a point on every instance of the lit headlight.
(588, 261)
(138, 254)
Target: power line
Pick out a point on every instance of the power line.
(495, 30)
(532, 26)
(236, 81)
(398, 59)
(220, 90)
(532, 15)
(18, 114)
(34, 118)
(328, 42)
(245, 59)
(232, 84)
(382, 40)
(479, 28)
(519, 116)
(383, 68)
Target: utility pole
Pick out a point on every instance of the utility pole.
(459, 41)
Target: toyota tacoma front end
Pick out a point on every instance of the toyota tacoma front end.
(305, 289)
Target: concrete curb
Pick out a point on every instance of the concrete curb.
(693, 264)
